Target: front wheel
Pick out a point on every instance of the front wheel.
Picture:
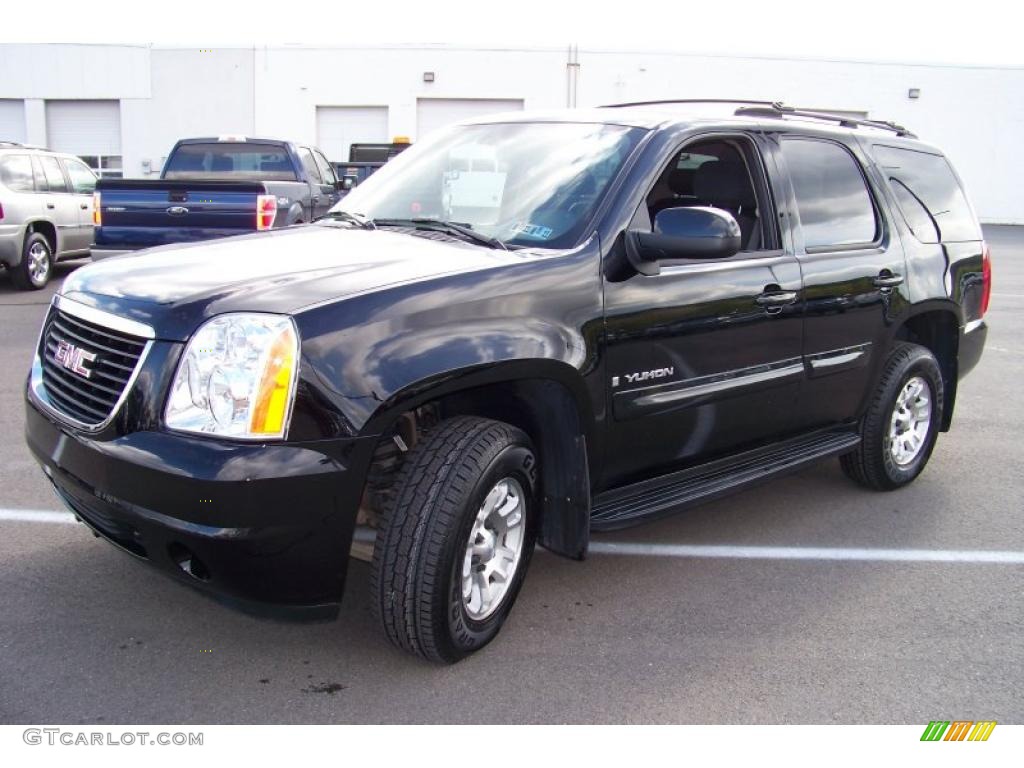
(455, 538)
(902, 422)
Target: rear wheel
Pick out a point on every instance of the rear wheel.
(456, 538)
(900, 428)
(36, 265)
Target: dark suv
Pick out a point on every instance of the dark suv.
(520, 331)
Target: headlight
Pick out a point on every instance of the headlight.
(236, 378)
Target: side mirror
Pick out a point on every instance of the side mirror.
(683, 233)
(345, 183)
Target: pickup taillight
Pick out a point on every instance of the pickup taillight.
(266, 211)
(986, 278)
(1, 211)
(97, 215)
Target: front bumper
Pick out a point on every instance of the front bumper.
(266, 527)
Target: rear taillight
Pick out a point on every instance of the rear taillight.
(986, 278)
(266, 211)
(97, 215)
(1, 211)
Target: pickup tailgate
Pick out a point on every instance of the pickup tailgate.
(140, 214)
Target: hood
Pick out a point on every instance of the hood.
(174, 288)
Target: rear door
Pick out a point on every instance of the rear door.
(853, 269)
(319, 200)
(329, 188)
(62, 206)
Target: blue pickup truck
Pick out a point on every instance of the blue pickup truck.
(214, 187)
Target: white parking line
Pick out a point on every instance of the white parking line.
(808, 553)
(717, 551)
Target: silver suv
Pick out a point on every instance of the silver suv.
(45, 211)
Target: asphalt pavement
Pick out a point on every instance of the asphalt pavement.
(88, 635)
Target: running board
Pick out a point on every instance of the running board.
(660, 496)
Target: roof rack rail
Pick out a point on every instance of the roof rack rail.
(687, 101)
(6, 143)
(778, 109)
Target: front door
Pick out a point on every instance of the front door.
(704, 359)
(83, 184)
(853, 268)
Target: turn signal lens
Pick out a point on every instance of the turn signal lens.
(274, 396)
(97, 216)
(266, 211)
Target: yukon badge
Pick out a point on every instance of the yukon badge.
(74, 358)
(636, 378)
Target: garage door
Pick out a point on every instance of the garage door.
(432, 114)
(12, 120)
(84, 127)
(89, 129)
(339, 127)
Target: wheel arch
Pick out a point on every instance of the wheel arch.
(48, 230)
(936, 326)
(548, 401)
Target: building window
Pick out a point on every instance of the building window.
(104, 166)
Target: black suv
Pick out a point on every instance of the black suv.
(523, 330)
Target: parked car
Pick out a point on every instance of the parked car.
(523, 330)
(215, 187)
(364, 159)
(45, 211)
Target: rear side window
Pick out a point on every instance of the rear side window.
(310, 165)
(928, 195)
(16, 173)
(832, 197)
(54, 175)
(237, 160)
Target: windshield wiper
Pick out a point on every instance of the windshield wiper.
(352, 218)
(439, 225)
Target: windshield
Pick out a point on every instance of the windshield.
(528, 184)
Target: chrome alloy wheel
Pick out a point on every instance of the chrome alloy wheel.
(38, 263)
(494, 549)
(911, 418)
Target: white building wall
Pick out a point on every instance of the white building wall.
(975, 114)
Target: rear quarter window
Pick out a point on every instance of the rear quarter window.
(16, 173)
(928, 195)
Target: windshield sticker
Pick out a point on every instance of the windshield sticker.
(474, 189)
(533, 230)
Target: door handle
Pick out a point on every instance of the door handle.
(316, 198)
(84, 206)
(887, 279)
(50, 206)
(776, 299)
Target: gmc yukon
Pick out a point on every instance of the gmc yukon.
(520, 331)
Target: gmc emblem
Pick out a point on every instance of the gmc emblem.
(74, 358)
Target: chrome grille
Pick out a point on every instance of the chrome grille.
(86, 367)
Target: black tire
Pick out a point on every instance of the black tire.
(416, 581)
(24, 276)
(872, 464)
